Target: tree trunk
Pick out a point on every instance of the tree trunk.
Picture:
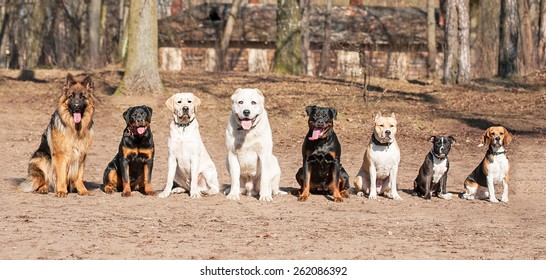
(485, 61)
(325, 55)
(542, 35)
(526, 44)
(305, 6)
(226, 35)
(34, 43)
(288, 38)
(122, 35)
(356, 2)
(431, 40)
(463, 74)
(450, 30)
(94, 11)
(508, 39)
(141, 71)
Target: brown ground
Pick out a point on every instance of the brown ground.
(101, 226)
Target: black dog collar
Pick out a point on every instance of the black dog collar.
(490, 152)
(375, 141)
(183, 126)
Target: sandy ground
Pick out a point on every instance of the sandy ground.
(102, 226)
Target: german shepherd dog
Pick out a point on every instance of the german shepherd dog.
(59, 161)
(131, 168)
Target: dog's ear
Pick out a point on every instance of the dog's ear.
(486, 140)
(309, 109)
(431, 139)
(126, 114)
(149, 112)
(69, 80)
(259, 92)
(197, 103)
(235, 93)
(88, 83)
(170, 103)
(334, 113)
(451, 139)
(377, 116)
(507, 137)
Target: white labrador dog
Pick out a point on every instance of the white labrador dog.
(190, 165)
(250, 159)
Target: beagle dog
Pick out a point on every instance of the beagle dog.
(493, 169)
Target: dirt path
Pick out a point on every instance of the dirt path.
(111, 227)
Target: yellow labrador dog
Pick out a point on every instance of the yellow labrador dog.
(190, 165)
(250, 159)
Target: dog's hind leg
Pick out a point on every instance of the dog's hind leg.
(210, 182)
(38, 169)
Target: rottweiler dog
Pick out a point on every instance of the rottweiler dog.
(321, 150)
(131, 168)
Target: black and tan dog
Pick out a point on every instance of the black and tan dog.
(59, 161)
(321, 150)
(131, 168)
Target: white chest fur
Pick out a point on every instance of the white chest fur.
(498, 168)
(439, 168)
(384, 158)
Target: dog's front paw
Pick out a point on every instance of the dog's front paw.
(196, 194)
(504, 198)
(372, 196)
(279, 192)
(446, 196)
(126, 194)
(108, 189)
(338, 199)
(303, 197)
(493, 199)
(396, 197)
(232, 196)
(360, 194)
(61, 194)
(164, 194)
(266, 197)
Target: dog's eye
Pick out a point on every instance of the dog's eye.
(240, 102)
(502, 133)
(189, 101)
(381, 125)
(179, 101)
(253, 102)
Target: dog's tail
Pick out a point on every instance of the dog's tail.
(27, 185)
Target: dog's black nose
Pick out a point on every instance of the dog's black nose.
(387, 132)
(497, 138)
(185, 108)
(319, 123)
(246, 113)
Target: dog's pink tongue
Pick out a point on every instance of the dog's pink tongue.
(316, 134)
(141, 129)
(246, 124)
(77, 117)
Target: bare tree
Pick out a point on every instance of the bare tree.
(542, 35)
(306, 35)
(450, 29)
(94, 33)
(325, 54)
(34, 43)
(141, 71)
(226, 35)
(431, 39)
(487, 34)
(508, 39)
(287, 58)
(525, 44)
(463, 75)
